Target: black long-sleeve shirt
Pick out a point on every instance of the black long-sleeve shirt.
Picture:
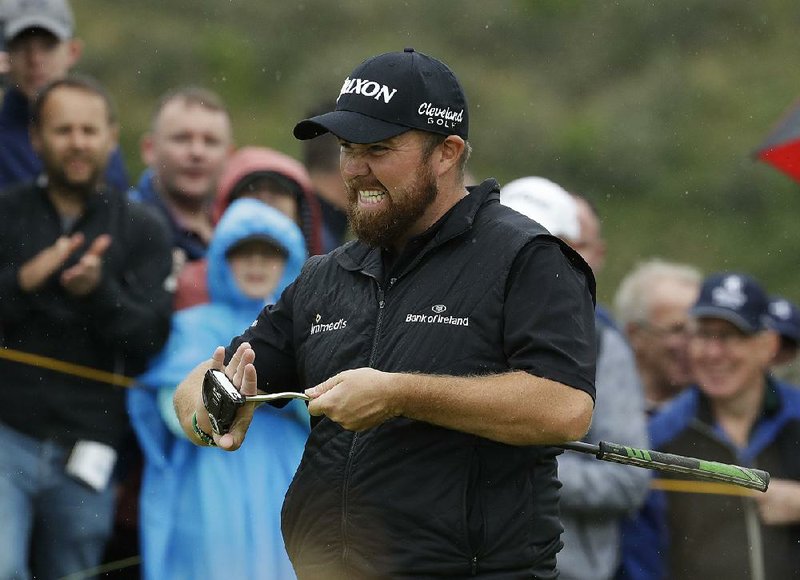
(115, 328)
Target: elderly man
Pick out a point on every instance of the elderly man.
(444, 350)
(652, 308)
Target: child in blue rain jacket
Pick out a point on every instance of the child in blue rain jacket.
(193, 498)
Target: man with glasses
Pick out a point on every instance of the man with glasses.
(735, 413)
(652, 307)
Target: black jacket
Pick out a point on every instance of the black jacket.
(485, 291)
(115, 328)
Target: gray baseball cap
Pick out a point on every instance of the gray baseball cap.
(54, 16)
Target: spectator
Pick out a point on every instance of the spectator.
(186, 507)
(434, 346)
(277, 180)
(652, 307)
(544, 202)
(82, 275)
(321, 158)
(786, 321)
(592, 247)
(735, 413)
(189, 142)
(594, 495)
(40, 49)
(590, 244)
(274, 178)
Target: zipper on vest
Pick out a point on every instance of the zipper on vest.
(381, 304)
(475, 565)
(354, 440)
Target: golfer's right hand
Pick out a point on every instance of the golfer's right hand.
(242, 373)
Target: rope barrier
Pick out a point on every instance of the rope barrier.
(102, 569)
(67, 368)
(708, 487)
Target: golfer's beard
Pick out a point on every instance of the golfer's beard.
(406, 206)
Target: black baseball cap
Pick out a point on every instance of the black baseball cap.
(387, 95)
(734, 297)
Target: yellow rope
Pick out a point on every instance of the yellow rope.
(65, 367)
(710, 487)
(108, 567)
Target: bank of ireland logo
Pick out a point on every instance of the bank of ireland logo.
(438, 317)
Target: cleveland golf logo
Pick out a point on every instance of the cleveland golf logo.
(438, 317)
(366, 88)
(319, 327)
(440, 117)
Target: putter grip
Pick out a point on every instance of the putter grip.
(696, 468)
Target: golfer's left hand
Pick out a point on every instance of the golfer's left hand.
(357, 399)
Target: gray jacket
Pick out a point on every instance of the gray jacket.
(597, 494)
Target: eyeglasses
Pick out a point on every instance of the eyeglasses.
(726, 339)
(679, 330)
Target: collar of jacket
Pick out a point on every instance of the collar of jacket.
(358, 256)
(98, 198)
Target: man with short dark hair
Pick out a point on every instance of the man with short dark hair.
(82, 275)
(40, 48)
(444, 351)
(189, 141)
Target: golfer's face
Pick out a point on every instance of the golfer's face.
(389, 184)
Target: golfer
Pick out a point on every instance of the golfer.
(444, 350)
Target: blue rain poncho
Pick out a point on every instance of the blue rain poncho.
(204, 512)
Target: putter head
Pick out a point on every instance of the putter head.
(221, 399)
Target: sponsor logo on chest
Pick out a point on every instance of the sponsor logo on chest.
(438, 315)
(319, 327)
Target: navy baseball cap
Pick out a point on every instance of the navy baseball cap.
(785, 318)
(387, 95)
(734, 297)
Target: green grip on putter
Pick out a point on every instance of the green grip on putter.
(697, 468)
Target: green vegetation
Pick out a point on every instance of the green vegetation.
(652, 109)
